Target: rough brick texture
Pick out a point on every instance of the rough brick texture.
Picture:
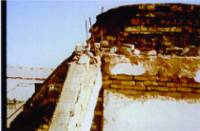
(175, 81)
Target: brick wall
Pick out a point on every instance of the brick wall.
(147, 27)
(165, 77)
(153, 86)
(97, 124)
(171, 77)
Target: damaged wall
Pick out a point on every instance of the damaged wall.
(150, 53)
(164, 76)
(171, 29)
(148, 82)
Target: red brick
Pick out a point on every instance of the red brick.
(197, 91)
(129, 83)
(122, 77)
(106, 77)
(150, 83)
(108, 82)
(120, 86)
(194, 85)
(171, 84)
(162, 83)
(164, 79)
(183, 80)
(172, 88)
(116, 82)
(141, 78)
(140, 84)
(183, 89)
(138, 87)
(151, 88)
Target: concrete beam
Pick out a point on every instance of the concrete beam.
(77, 102)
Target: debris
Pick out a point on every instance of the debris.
(152, 52)
(84, 59)
(137, 52)
(113, 49)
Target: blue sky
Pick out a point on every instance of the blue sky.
(44, 33)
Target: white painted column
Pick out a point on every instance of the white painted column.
(75, 109)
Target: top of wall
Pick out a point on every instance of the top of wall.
(166, 28)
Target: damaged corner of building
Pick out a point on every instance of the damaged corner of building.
(140, 70)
